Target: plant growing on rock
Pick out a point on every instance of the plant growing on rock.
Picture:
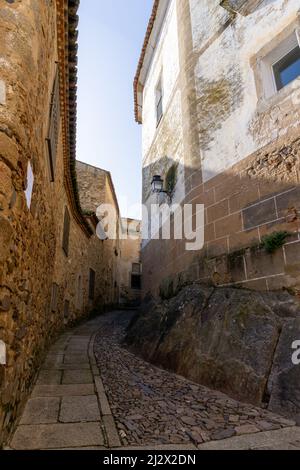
(274, 241)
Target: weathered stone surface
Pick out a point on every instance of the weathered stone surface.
(226, 339)
(57, 436)
(5, 303)
(154, 407)
(6, 233)
(49, 377)
(41, 411)
(62, 390)
(62, 366)
(246, 429)
(82, 376)
(79, 409)
(284, 380)
(75, 358)
(223, 434)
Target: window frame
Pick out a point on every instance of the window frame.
(267, 58)
(66, 231)
(79, 300)
(92, 283)
(138, 271)
(66, 309)
(54, 125)
(276, 74)
(54, 297)
(159, 96)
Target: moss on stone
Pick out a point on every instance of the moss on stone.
(171, 178)
(274, 240)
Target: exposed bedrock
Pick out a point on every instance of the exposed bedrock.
(233, 340)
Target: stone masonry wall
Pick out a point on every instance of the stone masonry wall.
(130, 252)
(239, 152)
(92, 186)
(95, 188)
(31, 256)
(257, 197)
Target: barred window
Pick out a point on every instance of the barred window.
(79, 292)
(66, 233)
(159, 102)
(136, 268)
(54, 122)
(66, 309)
(92, 284)
(54, 296)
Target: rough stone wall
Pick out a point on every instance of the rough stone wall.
(31, 254)
(233, 340)
(95, 188)
(130, 252)
(92, 184)
(240, 150)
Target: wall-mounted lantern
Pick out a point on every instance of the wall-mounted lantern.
(157, 184)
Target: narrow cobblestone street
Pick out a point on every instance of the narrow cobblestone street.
(91, 393)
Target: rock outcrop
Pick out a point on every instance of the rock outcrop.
(233, 340)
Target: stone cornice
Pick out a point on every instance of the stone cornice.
(67, 34)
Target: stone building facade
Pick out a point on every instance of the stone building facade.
(217, 90)
(51, 261)
(130, 268)
(95, 188)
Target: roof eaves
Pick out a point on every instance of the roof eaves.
(137, 110)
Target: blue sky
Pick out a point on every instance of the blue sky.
(111, 34)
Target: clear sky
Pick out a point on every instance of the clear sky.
(111, 34)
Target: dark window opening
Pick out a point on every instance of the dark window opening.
(66, 234)
(287, 69)
(66, 309)
(54, 297)
(135, 281)
(159, 103)
(92, 284)
(54, 122)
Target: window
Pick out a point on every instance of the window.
(92, 284)
(135, 281)
(66, 234)
(281, 66)
(136, 268)
(79, 292)
(244, 7)
(66, 309)
(54, 296)
(287, 69)
(159, 102)
(54, 122)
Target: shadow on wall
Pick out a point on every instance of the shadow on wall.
(252, 225)
(226, 316)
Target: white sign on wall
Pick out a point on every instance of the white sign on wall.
(2, 92)
(30, 181)
(2, 353)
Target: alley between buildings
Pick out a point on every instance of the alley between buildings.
(92, 393)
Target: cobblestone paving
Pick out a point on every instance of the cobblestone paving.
(153, 406)
(130, 403)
